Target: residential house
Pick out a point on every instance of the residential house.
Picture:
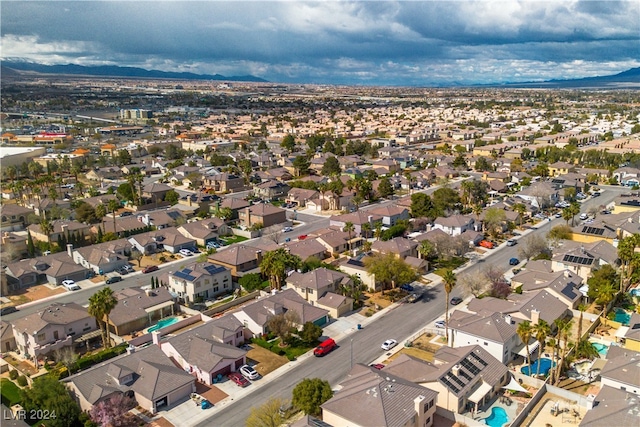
(357, 218)
(205, 231)
(315, 285)
(631, 338)
(560, 168)
(262, 213)
(102, 199)
(14, 217)
(109, 173)
(300, 196)
(564, 285)
(494, 332)
(627, 176)
(621, 370)
(7, 340)
(570, 180)
(14, 245)
(369, 397)
(238, 259)
(540, 194)
(307, 248)
(465, 378)
(399, 246)
(391, 214)
(138, 308)
(235, 204)
(612, 407)
(61, 227)
(625, 204)
(583, 258)
(337, 241)
(352, 266)
(224, 183)
(162, 218)
(168, 239)
(209, 350)
(256, 315)
(105, 257)
(389, 165)
(200, 281)
(51, 328)
(150, 376)
(52, 269)
(454, 225)
(155, 191)
(121, 226)
(271, 190)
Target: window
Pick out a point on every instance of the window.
(86, 329)
(225, 286)
(428, 421)
(485, 343)
(197, 284)
(41, 337)
(215, 289)
(206, 281)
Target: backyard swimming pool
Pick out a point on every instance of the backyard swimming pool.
(163, 323)
(602, 349)
(635, 292)
(498, 417)
(545, 366)
(622, 316)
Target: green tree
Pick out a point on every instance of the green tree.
(494, 218)
(445, 200)
(331, 167)
(31, 249)
(125, 192)
(385, 189)
(349, 228)
(267, 414)
(123, 157)
(283, 324)
(275, 265)
(50, 395)
(100, 306)
(564, 333)
(113, 206)
(310, 333)
(47, 228)
(541, 331)
(602, 277)
(251, 282)
(225, 213)
(288, 142)
(302, 165)
(421, 205)
(426, 249)
(520, 209)
(525, 332)
(86, 213)
(450, 280)
(389, 271)
(310, 394)
(172, 197)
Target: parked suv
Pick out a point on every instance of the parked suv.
(325, 347)
(113, 279)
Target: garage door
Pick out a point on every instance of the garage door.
(321, 321)
(224, 371)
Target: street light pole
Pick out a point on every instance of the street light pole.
(351, 353)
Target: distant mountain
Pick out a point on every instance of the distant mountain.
(625, 79)
(116, 71)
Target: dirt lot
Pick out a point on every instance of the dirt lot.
(422, 348)
(267, 361)
(34, 293)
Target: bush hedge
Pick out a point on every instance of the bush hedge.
(13, 374)
(101, 356)
(22, 381)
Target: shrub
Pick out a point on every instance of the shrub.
(13, 374)
(22, 381)
(163, 259)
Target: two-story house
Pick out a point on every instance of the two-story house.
(399, 246)
(315, 285)
(224, 183)
(262, 213)
(200, 281)
(104, 257)
(238, 259)
(52, 328)
(454, 225)
(168, 239)
(391, 214)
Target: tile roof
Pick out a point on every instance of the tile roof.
(613, 407)
(55, 314)
(320, 278)
(132, 303)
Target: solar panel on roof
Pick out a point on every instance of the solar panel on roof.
(450, 385)
(470, 367)
(478, 359)
(455, 379)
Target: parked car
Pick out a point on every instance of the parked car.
(558, 215)
(514, 261)
(407, 287)
(414, 297)
(440, 324)
(302, 237)
(455, 300)
(389, 344)
(512, 242)
(325, 347)
(249, 373)
(150, 268)
(186, 252)
(123, 271)
(7, 310)
(237, 378)
(70, 285)
(486, 244)
(584, 216)
(377, 366)
(287, 229)
(596, 194)
(113, 279)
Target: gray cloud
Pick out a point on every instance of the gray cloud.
(361, 42)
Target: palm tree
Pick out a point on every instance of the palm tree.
(477, 210)
(47, 228)
(366, 229)
(564, 333)
(349, 228)
(606, 293)
(53, 194)
(96, 310)
(425, 249)
(567, 214)
(113, 206)
(542, 331)
(378, 232)
(101, 212)
(581, 308)
(109, 302)
(11, 172)
(525, 331)
(449, 279)
(275, 265)
(322, 188)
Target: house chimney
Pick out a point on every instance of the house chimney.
(370, 219)
(155, 336)
(146, 219)
(70, 250)
(535, 316)
(567, 273)
(64, 227)
(455, 370)
(507, 319)
(259, 256)
(131, 349)
(417, 404)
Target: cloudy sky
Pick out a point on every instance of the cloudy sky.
(340, 42)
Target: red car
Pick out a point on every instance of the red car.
(377, 366)
(150, 268)
(302, 237)
(237, 378)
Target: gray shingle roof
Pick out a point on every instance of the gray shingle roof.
(613, 407)
(486, 324)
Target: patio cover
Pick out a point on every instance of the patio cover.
(480, 392)
(159, 306)
(513, 385)
(622, 331)
(532, 348)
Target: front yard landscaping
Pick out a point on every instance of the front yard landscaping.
(295, 349)
(10, 392)
(232, 239)
(450, 264)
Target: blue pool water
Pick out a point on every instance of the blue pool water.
(163, 323)
(635, 292)
(602, 349)
(498, 417)
(545, 366)
(622, 317)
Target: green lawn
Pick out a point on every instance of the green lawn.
(449, 264)
(292, 352)
(233, 239)
(10, 392)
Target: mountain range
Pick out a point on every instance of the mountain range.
(625, 79)
(11, 67)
